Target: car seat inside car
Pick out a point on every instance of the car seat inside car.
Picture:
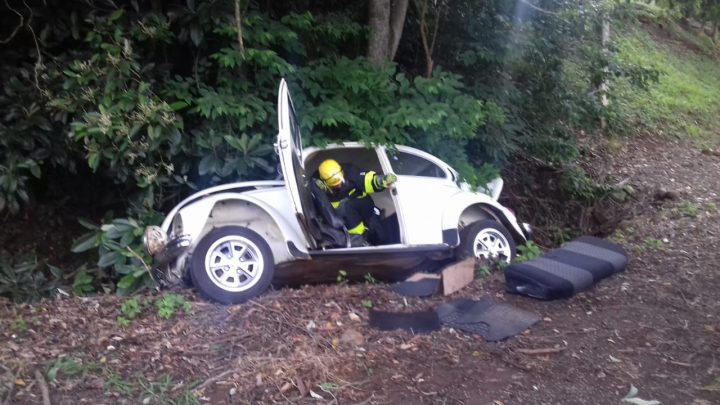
(364, 159)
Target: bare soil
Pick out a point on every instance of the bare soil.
(656, 327)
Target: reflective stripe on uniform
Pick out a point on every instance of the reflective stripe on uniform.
(335, 204)
(369, 177)
(358, 230)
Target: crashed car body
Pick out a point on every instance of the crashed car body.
(231, 241)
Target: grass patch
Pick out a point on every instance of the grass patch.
(146, 391)
(688, 209)
(651, 245)
(686, 101)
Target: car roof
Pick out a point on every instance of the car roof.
(312, 149)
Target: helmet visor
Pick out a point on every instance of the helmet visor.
(335, 180)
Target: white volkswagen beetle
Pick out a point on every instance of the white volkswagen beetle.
(232, 241)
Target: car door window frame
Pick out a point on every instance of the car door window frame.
(440, 165)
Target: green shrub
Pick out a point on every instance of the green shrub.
(119, 246)
(170, 303)
(25, 278)
(528, 251)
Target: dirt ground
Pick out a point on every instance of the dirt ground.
(655, 327)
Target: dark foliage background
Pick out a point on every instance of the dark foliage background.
(121, 108)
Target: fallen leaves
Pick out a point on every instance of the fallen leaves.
(352, 337)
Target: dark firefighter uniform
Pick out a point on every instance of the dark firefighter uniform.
(348, 189)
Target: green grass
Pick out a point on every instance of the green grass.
(686, 101)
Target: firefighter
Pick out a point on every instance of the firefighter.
(348, 190)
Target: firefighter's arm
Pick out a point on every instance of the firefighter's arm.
(378, 182)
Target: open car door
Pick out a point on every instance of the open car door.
(315, 216)
(289, 147)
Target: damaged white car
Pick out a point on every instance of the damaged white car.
(232, 241)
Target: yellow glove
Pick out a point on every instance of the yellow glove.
(387, 180)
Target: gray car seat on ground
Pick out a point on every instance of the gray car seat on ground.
(563, 272)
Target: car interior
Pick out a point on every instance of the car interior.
(323, 213)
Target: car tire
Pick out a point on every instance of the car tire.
(231, 265)
(498, 242)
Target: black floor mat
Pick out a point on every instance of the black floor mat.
(493, 321)
(421, 288)
(415, 322)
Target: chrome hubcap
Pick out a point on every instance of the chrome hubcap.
(234, 263)
(491, 244)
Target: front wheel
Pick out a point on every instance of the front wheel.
(232, 264)
(487, 240)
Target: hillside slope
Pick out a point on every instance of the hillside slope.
(686, 100)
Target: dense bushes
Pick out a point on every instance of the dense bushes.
(160, 98)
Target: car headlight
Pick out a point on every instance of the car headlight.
(155, 240)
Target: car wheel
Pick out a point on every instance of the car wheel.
(231, 265)
(487, 240)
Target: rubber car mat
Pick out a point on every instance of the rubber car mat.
(420, 288)
(492, 320)
(415, 322)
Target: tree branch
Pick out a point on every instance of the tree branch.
(536, 8)
(423, 37)
(43, 387)
(15, 31)
(238, 26)
(437, 25)
(547, 350)
(147, 268)
(38, 62)
(10, 387)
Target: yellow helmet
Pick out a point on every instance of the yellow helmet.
(331, 173)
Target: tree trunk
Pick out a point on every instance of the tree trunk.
(605, 86)
(397, 22)
(386, 21)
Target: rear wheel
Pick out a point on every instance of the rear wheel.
(231, 265)
(487, 240)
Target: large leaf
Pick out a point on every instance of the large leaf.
(110, 258)
(86, 242)
(207, 164)
(127, 282)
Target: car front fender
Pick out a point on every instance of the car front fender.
(472, 207)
